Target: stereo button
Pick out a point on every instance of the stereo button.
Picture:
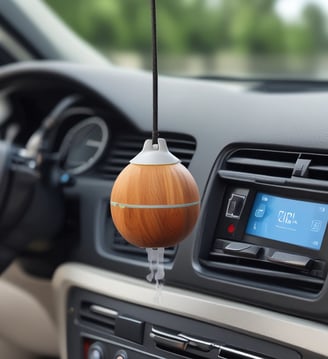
(235, 206)
(97, 351)
(243, 249)
(121, 354)
(288, 259)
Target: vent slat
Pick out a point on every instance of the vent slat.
(259, 162)
(122, 247)
(115, 162)
(319, 168)
(125, 147)
(235, 175)
(121, 154)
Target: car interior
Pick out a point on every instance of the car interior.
(248, 282)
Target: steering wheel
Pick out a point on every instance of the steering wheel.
(31, 201)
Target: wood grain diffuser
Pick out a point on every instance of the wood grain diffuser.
(155, 199)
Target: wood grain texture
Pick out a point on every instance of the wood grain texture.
(153, 185)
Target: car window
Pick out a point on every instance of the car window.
(11, 49)
(240, 38)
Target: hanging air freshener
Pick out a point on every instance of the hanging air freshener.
(155, 199)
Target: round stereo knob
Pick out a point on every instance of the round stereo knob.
(121, 354)
(97, 351)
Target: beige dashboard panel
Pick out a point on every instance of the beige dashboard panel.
(10, 351)
(263, 323)
(26, 316)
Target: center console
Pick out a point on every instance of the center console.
(100, 327)
(253, 287)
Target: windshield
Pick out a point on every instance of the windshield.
(230, 38)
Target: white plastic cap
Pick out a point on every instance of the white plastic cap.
(157, 154)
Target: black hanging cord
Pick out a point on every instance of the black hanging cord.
(155, 133)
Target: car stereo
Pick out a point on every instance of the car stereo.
(274, 230)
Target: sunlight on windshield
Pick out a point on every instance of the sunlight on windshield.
(239, 38)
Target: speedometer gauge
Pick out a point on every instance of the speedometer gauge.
(83, 145)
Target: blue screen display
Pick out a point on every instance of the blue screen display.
(290, 221)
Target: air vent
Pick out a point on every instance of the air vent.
(274, 166)
(243, 163)
(125, 147)
(121, 247)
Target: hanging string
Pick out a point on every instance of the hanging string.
(155, 133)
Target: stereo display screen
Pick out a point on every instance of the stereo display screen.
(290, 221)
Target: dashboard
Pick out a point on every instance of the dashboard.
(250, 281)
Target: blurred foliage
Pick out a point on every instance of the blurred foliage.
(195, 26)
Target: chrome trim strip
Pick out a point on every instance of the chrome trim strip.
(97, 309)
(153, 206)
